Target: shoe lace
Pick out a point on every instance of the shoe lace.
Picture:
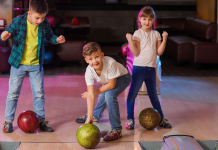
(130, 122)
(164, 121)
(46, 123)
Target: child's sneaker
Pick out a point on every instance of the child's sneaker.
(7, 127)
(113, 135)
(164, 123)
(130, 124)
(83, 119)
(44, 126)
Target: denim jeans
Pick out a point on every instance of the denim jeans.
(109, 99)
(15, 82)
(148, 75)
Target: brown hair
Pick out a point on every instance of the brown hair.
(146, 11)
(38, 6)
(90, 48)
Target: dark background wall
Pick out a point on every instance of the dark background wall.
(111, 22)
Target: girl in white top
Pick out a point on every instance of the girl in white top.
(114, 78)
(145, 45)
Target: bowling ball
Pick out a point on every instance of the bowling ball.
(149, 118)
(28, 121)
(48, 57)
(75, 21)
(155, 23)
(88, 135)
(51, 20)
(124, 49)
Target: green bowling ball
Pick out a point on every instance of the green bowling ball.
(149, 118)
(88, 135)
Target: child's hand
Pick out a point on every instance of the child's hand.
(129, 36)
(5, 35)
(89, 120)
(165, 34)
(61, 39)
(84, 95)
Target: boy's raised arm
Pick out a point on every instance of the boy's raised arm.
(10, 30)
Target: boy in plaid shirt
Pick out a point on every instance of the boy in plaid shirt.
(27, 55)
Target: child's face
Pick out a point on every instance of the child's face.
(95, 60)
(36, 18)
(146, 22)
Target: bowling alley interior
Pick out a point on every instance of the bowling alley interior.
(186, 74)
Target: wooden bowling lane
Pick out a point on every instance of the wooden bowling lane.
(75, 146)
(191, 108)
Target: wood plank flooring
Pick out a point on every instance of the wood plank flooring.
(189, 103)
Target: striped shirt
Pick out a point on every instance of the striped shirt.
(148, 47)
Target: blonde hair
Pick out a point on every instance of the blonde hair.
(146, 11)
(90, 48)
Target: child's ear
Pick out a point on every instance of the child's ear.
(86, 60)
(102, 54)
(29, 12)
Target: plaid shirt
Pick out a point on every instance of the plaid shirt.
(18, 29)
